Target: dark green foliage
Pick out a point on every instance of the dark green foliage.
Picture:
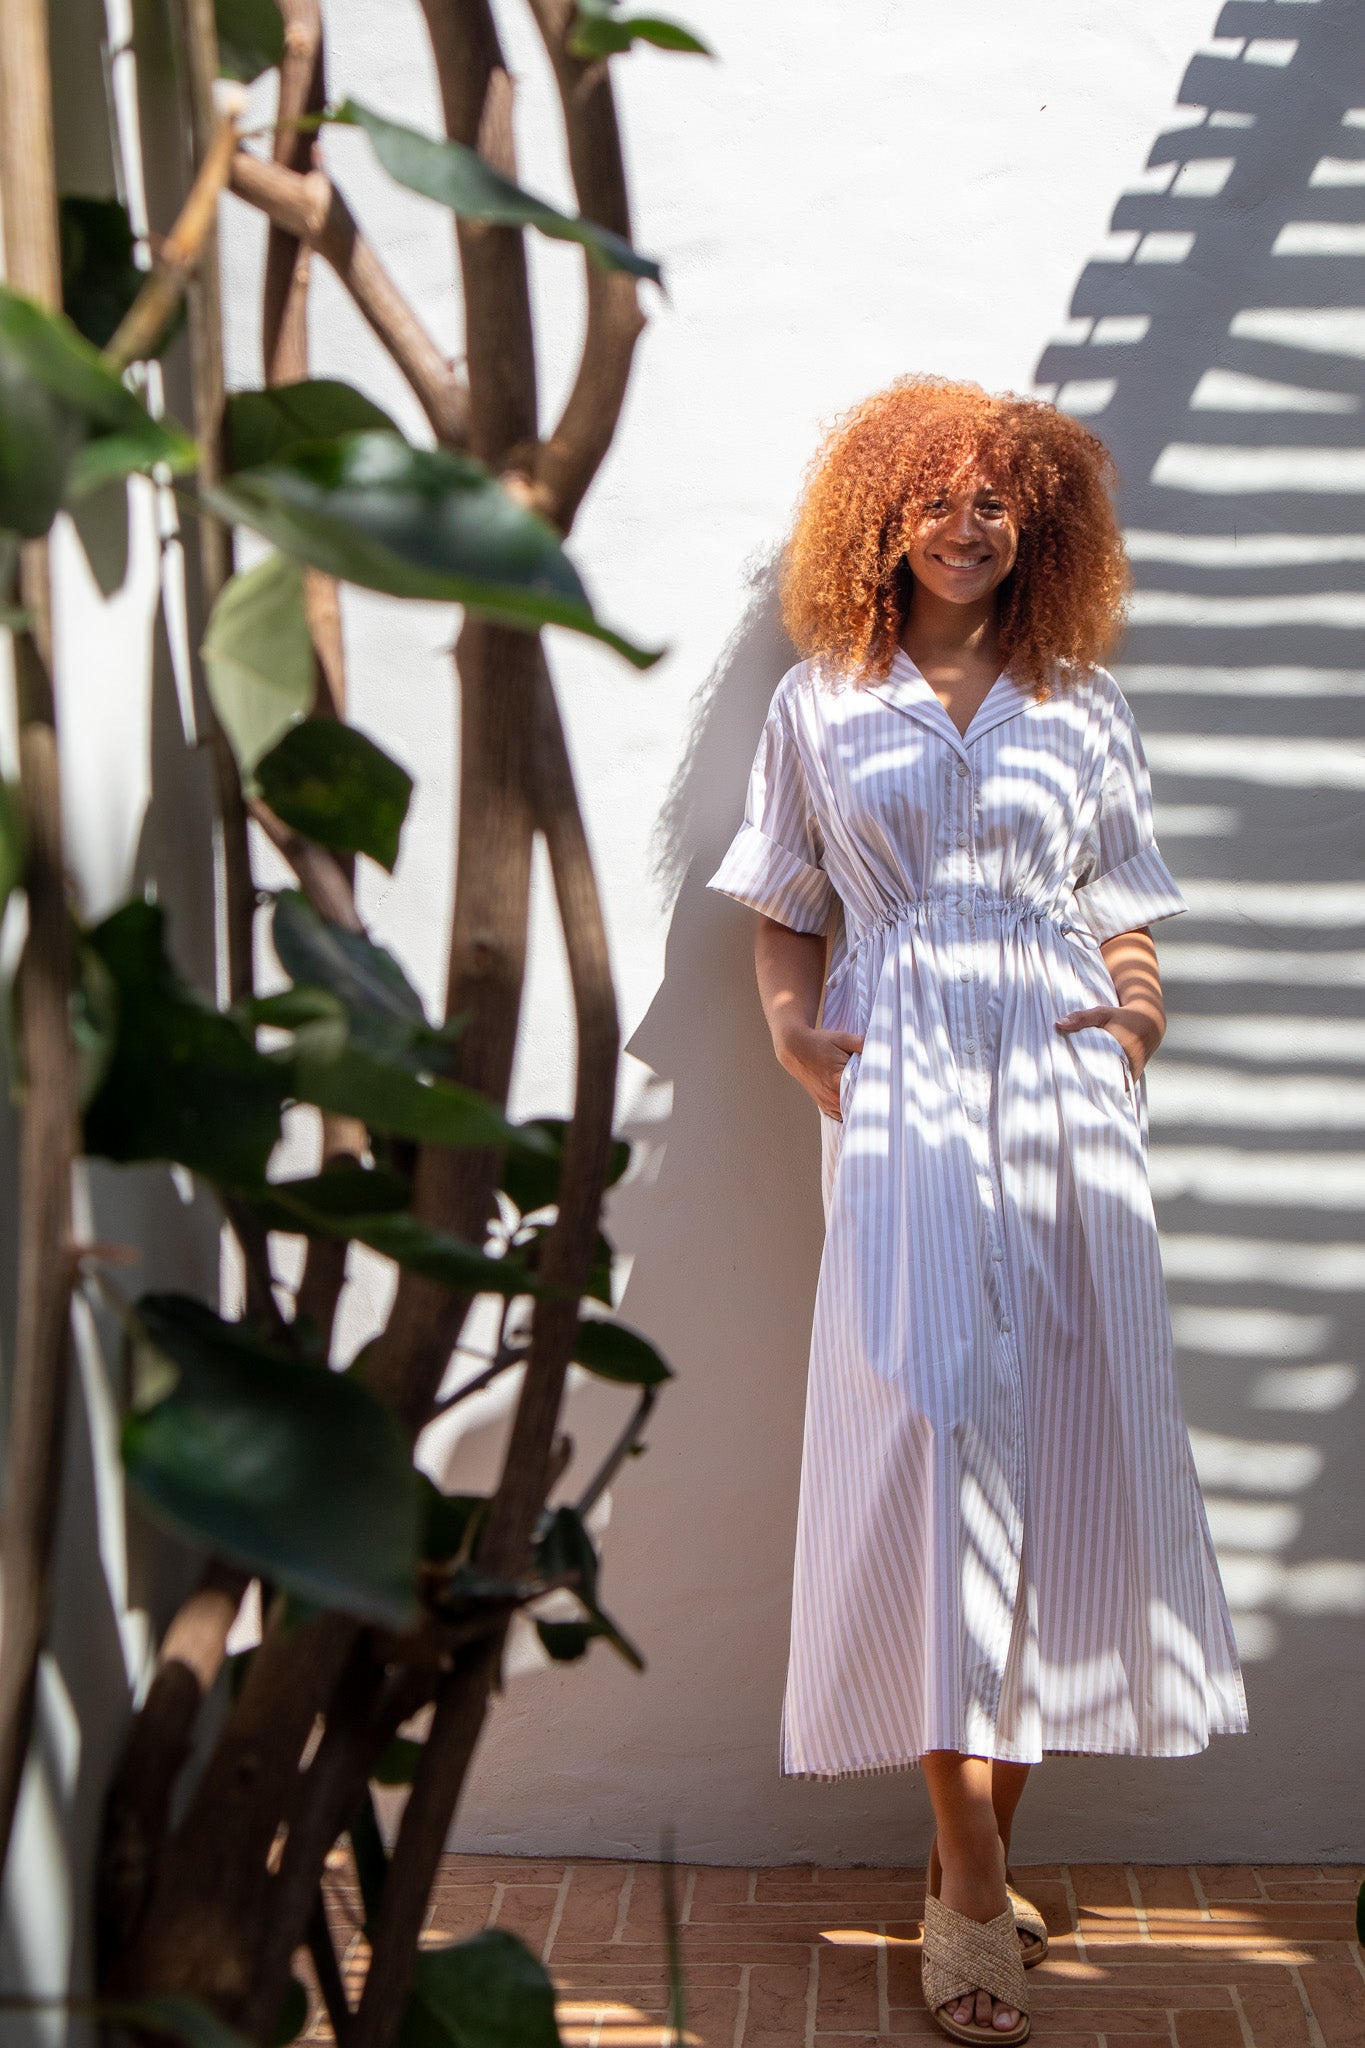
(459, 178)
(250, 38)
(99, 277)
(563, 1545)
(615, 1352)
(183, 1082)
(415, 522)
(487, 1992)
(338, 788)
(295, 1472)
(263, 425)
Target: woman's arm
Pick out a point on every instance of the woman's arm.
(791, 974)
(1138, 1020)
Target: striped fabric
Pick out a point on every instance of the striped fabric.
(1001, 1545)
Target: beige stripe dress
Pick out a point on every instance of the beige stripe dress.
(1001, 1546)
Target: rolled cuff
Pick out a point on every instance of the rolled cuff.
(1137, 892)
(759, 872)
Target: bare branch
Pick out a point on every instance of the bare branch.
(321, 876)
(137, 1809)
(284, 304)
(570, 457)
(309, 206)
(329, 1976)
(177, 257)
(619, 1452)
(48, 1117)
(476, 99)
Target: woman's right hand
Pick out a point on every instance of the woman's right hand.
(817, 1059)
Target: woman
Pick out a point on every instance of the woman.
(1001, 1545)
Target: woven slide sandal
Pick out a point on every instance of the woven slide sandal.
(960, 1956)
(1029, 1921)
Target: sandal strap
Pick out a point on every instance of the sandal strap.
(960, 1956)
(1026, 1914)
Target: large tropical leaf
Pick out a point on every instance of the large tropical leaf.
(329, 1205)
(487, 1992)
(293, 1471)
(459, 178)
(416, 522)
(601, 31)
(258, 658)
(262, 425)
(336, 787)
(183, 1081)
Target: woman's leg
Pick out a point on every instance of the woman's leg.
(1007, 1789)
(972, 1856)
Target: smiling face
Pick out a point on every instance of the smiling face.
(966, 541)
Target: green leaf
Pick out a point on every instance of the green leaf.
(349, 1082)
(533, 1183)
(175, 2016)
(600, 31)
(450, 1522)
(365, 978)
(397, 1762)
(184, 1082)
(38, 437)
(338, 788)
(258, 658)
(250, 38)
(11, 842)
(293, 1471)
(263, 425)
(342, 1190)
(447, 1260)
(62, 361)
(562, 1546)
(99, 277)
(459, 178)
(487, 1992)
(293, 2015)
(415, 522)
(567, 1641)
(94, 1022)
(615, 1352)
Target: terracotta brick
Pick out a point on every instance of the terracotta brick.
(1165, 1885)
(777, 2001)
(1208, 2030)
(592, 1901)
(861, 1880)
(847, 1996)
(719, 1885)
(1228, 1881)
(1100, 1884)
(711, 2015)
(1327, 1891)
(526, 1910)
(461, 1909)
(1274, 2012)
(1336, 1992)
(787, 1883)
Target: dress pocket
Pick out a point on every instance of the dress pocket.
(847, 1081)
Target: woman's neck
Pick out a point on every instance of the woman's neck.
(940, 634)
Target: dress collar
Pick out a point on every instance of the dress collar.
(906, 688)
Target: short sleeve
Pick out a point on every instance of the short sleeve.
(774, 861)
(1125, 883)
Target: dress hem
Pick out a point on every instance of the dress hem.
(887, 1769)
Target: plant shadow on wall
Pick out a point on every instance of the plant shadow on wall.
(1218, 346)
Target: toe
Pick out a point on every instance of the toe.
(1005, 2018)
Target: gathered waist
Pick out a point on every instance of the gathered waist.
(1002, 913)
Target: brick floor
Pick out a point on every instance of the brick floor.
(1207, 1956)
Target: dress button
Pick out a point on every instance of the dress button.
(963, 771)
(996, 1252)
(964, 973)
(964, 904)
(969, 1045)
(1006, 1325)
(963, 839)
(974, 1114)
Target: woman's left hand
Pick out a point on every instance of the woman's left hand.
(1135, 1030)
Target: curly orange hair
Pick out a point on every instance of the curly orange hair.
(846, 585)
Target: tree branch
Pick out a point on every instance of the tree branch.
(322, 878)
(47, 1134)
(309, 206)
(284, 305)
(570, 457)
(177, 257)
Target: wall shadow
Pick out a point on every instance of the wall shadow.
(1220, 352)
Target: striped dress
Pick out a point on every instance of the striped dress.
(1001, 1546)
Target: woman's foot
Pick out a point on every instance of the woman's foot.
(976, 1888)
(936, 1876)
